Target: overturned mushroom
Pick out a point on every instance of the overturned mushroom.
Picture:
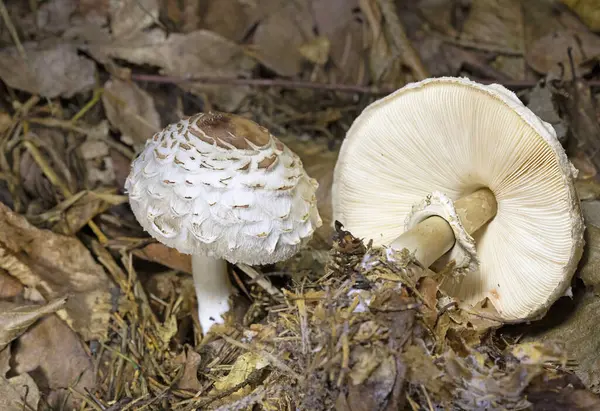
(222, 188)
(460, 172)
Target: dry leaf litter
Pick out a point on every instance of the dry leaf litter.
(95, 315)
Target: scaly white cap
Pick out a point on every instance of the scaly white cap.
(451, 137)
(220, 185)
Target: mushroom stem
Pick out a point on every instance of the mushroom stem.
(213, 288)
(433, 237)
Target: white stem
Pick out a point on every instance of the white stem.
(213, 289)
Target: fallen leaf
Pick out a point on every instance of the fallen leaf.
(169, 257)
(550, 29)
(55, 265)
(372, 393)
(563, 393)
(78, 214)
(55, 357)
(316, 51)
(279, 36)
(385, 64)
(197, 53)
(587, 189)
(55, 16)
(498, 23)
(243, 366)
(131, 110)
(5, 355)
(5, 121)
(541, 102)
(347, 53)
(127, 17)
(190, 360)
(49, 71)
(581, 340)
(232, 19)
(550, 51)
(16, 318)
(10, 287)
(319, 162)
(587, 10)
(18, 393)
(589, 267)
(332, 15)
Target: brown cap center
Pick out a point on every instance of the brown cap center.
(232, 129)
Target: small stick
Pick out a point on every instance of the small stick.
(300, 84)
(260, 280)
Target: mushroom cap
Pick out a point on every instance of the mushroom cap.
(221, 185)
(454, 136)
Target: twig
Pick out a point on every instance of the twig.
(260, 280)
(475, 45)
(235, 81)
(12, 30)
(300, 84)
(400, 40)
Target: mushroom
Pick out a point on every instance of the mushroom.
(222, 188)
(463, 173)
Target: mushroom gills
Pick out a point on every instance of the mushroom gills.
(433, 237)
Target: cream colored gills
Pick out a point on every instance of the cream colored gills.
(412, 154)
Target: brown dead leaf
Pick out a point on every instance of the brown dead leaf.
(10, 287)
(55, 16)
(550, 51)
(372, 393)
(587, 10)
(498, 23)
(561, 393)
(55, 265)
(581, 340)
(121, 166)
(55, 357)
(169, 257)
(190, 360)
(348, 53)
(77, 215)
(589, 268)
(541, 102)
(16, 318)
(5, 355)
(197, 53)
(18, 393)
(49, 71)
(128, 17)
(384, 61)
(319, 162)
(232, 19)
(279, 36)
(131, 110)
(243, 367)
(550, 29)
(316, 51)
(332, 15)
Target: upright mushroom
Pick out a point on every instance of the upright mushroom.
(450, 168)
(222, 188)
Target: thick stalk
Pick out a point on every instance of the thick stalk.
(433, 237)
(213, 289)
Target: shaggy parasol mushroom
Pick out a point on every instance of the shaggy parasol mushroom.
(450, 168)
(222, 188)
